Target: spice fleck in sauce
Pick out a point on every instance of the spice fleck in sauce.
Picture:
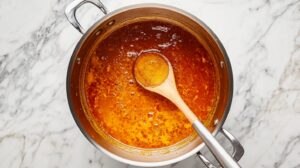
(124, 110)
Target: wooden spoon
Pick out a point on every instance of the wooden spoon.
(154, 72)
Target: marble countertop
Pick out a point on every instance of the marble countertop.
(262, 38)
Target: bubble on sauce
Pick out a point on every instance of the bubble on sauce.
(150, 114)
(222, 64)
(203, 60)
(131, 54)
(174, 43)
(165, 45)
(78, 61)
(161, 28)
(131, 81)
(158, 35)
(174, 37)
(103, 58)
(131, 45)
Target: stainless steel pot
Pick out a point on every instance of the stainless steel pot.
(125, 153)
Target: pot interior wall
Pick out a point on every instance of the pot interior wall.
(103, 28)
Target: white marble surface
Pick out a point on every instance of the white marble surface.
(262, 38)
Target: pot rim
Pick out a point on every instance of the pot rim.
(149, 5)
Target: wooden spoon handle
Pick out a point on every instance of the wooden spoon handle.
(168, 90)
(177, 100)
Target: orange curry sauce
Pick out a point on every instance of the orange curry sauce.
(129, 113)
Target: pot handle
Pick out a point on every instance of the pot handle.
(238, 150)
(70, 11)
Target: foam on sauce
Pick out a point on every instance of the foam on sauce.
(124, 110)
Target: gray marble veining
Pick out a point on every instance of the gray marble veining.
(262, 38)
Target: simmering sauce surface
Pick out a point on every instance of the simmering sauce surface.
(124, 110)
